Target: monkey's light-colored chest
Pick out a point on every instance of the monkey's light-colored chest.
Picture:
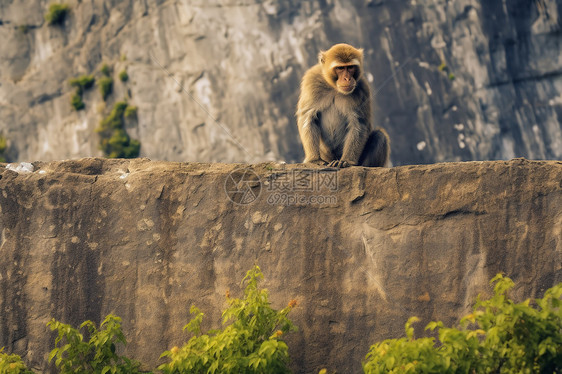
(333, 123)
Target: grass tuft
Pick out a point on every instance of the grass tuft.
(57, 14)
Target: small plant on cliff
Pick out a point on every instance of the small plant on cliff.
(81, 84)
(105, 70)
(131, 112)
(95, 356)
(3, 147)
(251, 343)
(106, 87)
(499, 336)
(57, 14)
(123, 76)
(76, 102)
(105, 83)
(114, 140)
(12, 364)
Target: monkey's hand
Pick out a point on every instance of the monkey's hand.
(339, 164)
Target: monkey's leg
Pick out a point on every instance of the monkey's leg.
(325, 153)
(354, 145)
(377, 150)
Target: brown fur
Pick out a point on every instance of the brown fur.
(334, 125)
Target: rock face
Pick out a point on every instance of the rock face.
(217, 81)
(360, 249)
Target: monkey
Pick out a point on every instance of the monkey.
(334, 113)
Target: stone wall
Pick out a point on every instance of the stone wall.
(360, 249)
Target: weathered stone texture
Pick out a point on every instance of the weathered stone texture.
(452, 80)
(146, 240)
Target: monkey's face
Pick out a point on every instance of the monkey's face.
(341, 67)
(346, 78)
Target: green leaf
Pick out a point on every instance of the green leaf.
(389, 362)
(53, 354)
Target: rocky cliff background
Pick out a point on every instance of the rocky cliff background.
(218, 80)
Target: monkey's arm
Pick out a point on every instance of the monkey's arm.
(312, 89)
(310, 136)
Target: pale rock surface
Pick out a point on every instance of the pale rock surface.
(217, 81)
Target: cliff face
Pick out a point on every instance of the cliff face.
(360, 249)
(218, 80)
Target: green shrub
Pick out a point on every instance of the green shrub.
(95, 356)
(105, 70)
(82, 82)
(3, 147)
(106, 87)
(499, 336)
(12, 364)
(57, 14)
(123, 76)
(251, 343)
(115, 118)
(114, 141)
(76, 101)
(131, 112)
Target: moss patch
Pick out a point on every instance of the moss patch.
(81, 84)
(105, 70)
(131, 112)
(57, 14)
(3, 147)
(106, 87)
(76, 102)
(114, 140)
(124, 76)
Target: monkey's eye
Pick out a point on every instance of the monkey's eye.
(340, 68)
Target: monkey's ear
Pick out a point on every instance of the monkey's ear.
(322, 57)
(361, 51)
